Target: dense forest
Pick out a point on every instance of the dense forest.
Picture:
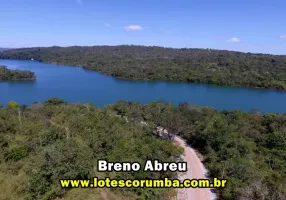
(9, 74)
(247, 149)
(157, 63)
(55, 140)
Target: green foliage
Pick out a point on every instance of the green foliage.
(157, 63)
(13, 75)
(15, 152)
(64, 142)
(68, 159)
(56, 141)
(54, 101)
(50, 135)
(249, 150)
(22, 108)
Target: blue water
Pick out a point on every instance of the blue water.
(75, 84)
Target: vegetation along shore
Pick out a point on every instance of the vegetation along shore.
(209, 66)
(15, 75)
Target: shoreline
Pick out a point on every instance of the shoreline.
(18, 80)
(155, 80)
(7, 74)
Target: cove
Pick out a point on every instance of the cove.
(75, 84)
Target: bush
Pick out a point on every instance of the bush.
(54, 101)
(69, 159)
(12, 104)
(16, 152)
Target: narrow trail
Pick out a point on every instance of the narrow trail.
(196, 170)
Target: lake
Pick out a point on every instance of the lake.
(75, 84)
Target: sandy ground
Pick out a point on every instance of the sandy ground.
(196, 170)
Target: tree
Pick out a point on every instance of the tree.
(157, 63)
(54, 101)
(12, 104)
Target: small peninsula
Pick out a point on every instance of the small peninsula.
(15, 75)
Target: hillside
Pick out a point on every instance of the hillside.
(13, 75)
(157, 63)
(58, 140)
(249, 150)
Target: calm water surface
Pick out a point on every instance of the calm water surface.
(74, 84)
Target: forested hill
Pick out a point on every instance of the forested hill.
(56, 140)
(158, 63)
(247, 149)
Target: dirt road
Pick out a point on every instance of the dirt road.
(196, 170)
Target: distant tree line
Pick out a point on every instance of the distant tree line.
(12, 75)
(156, 63)
(3, 49)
